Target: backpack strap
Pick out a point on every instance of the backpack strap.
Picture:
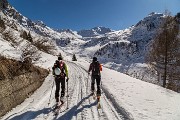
(61, 65)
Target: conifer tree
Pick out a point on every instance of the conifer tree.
(2, 25)
(60, 55)
(29, 37)
(164, 54)
(74, 58)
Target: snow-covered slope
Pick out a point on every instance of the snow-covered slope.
(132, 42)
(13, 16)
(123, 98)
(16, 24)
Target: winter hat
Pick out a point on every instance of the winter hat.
(60, 58)
(94, 59)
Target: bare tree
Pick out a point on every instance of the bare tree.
(24, 35)
(29, 54)
(9, 36)
(2, 26)
(43, 45)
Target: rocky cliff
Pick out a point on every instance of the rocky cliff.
(17, 82)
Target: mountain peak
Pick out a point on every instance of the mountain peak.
(94, 31)
(64, 30)
(153, 19)
(40, 23)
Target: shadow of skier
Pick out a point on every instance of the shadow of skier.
(74, 110)
(29, 114)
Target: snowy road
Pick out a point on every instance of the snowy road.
(81, 104)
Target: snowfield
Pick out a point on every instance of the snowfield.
(123, 98)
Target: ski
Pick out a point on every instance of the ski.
(56, 110)
(93, 94)
(98, 99)
(98, 104)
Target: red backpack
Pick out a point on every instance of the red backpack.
(96, 68)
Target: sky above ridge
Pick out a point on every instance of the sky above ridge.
(86, 14)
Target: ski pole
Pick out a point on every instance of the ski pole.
(87, 84)
(101, 86)
(67, 94)
(51, 93)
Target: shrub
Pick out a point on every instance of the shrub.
(44, 45)
(8, 36)
(2, 26)
(74, 58)
(24, 35)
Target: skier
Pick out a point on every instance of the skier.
(60, 71)
(95, 67)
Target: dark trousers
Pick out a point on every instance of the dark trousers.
(96, 78)
(58, 81)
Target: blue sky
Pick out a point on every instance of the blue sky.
(86, 14)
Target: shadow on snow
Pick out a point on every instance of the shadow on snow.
(67, 116)
(74, 110)
(29, 114)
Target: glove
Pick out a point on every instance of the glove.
(67, 79)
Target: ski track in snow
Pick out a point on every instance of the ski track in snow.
(81, 105)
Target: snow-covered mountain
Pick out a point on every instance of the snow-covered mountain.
(96, 31)
(122, 50)
(123, 97)
(131, 43)
(38, 26)
(125, 50)
(16, 24)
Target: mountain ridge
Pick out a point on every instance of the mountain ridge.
(95, 31)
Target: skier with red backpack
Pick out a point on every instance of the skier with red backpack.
(60, 71)
(95, 67)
